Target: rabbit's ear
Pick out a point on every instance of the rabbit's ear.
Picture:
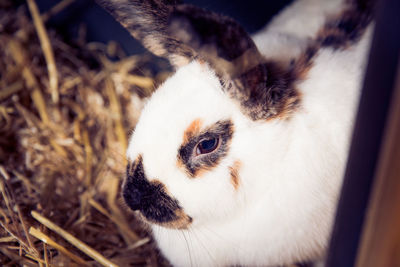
(262, 88)
(147, 22)
(182, 33)
(217, 39)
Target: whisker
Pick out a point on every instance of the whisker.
(203, 246)
(187, 246)
(236, 247)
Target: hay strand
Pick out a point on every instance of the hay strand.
(47, 49)
(23, 223)
(20, 58)
(14, 235)
(117, 115)
(10, 90)
(89, 157)
(124, 228)
(17, 258)
(73, 240)
(56, 9)
(46, 239)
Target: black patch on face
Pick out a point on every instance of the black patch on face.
(148, 197)
(222, 130)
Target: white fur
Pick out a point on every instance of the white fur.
(304, 18)
(288, 34)
(290, 174)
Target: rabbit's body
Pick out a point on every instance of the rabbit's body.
(241, 163)
(267, 219)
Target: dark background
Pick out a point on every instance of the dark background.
(101, 27)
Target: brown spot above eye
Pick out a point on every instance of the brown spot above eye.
(192, 130)
(234, 171)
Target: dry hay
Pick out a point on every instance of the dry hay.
(65, 115)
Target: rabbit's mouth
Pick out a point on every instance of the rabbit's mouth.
(180, 221)
(152, 200)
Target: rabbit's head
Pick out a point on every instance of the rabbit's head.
(188, 152)
(182, 151)
(195, 152)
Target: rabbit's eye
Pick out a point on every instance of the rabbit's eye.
(207, 146)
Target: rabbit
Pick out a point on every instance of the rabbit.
(238, 157)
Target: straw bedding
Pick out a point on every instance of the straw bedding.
(66, 110)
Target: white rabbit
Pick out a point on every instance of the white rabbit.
(238, 158)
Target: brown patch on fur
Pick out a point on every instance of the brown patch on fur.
(203, 168)
(290, 105)
(179, 163)
(182, 222)
(234, 172)
(201, 61)
(192, 130)
(304, 63)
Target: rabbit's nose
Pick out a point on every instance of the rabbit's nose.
(136, 198)
(133, 198)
